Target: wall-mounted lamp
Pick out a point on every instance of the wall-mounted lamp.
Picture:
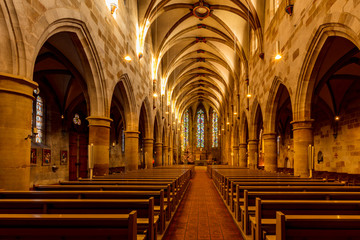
(128, 58)
(277, 51)
(35, 132)
(112, 5)
(54, 168)
(336, 126)
(155, 95)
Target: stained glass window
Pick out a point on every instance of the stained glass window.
(39, 119)
(186, 130)
(200, 129)
(215, 130)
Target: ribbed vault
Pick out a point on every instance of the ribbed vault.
(199, 46)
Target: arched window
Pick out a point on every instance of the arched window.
(186, 129)
(200, 128)
(215, 129)
(39, 119)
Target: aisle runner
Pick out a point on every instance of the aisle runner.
(202, 214)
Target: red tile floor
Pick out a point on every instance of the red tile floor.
(202, 213)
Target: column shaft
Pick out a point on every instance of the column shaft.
(242, 153)
(148, 151)
(99, 136)
(253, 153)
(132, 150)
(166, 155)
(303, 137)
(235, 155)
(158, 154)
(270, 154)
(16, 105)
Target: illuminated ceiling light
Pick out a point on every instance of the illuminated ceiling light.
(127, 58)
(112, 5)
(62, 116)
(235, 113)
(248, 95)
(228, 123)
(277, 51)
(337, 118)
(155, 95)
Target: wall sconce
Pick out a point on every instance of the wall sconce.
(112, 5)
(35, 132)
(336, 126)
(289, 9)
(127, 58)
(54, 168)
(277, 51)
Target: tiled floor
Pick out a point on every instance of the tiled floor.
(202, 214)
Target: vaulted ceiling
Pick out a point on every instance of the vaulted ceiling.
(200, 48)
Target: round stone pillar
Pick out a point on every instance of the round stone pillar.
(99, 137)
(236, 156)
(171, 156)
(303, 137)
(16, 94)
(132, 150)
(253, 153)
(158, 154)
(242, 155)
(270, 154)
(166, 155)
(148, 151)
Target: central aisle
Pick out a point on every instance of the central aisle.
(202, 213)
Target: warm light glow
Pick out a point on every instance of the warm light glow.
(166, 112)
(277, 51)
(155, 94)
(127, 58)
(228, 123)
(222, 129)
(248, 95)
(278, 57)
(153, 66)
(112, 5)
(235, 113)
(337, 118)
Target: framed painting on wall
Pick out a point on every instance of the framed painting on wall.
(63, 157)
(46, 157)
(33, 156)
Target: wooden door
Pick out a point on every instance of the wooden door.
(83, 155)
(73, 148)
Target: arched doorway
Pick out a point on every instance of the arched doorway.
(62, 138)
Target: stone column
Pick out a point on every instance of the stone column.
(148, 151)
(303, 137)
(242, 153)
(132, 150)
(16, 104)
(253, 153)
(235, 155)
(99, 136)
(166, 155)
(158, 154)
(171, 154)
(270, 154)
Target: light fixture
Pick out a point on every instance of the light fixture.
(235, 113)
(127, 58)
(228, 123)
(155, 95)
(277, 51)
(166, 112)
(62, 116)
(337, 118)
(112, 5)
(248, 95)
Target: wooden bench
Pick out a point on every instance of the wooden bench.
(69, 226)
(146, 221)
(159, 207)
(249, 201)
(314, 227)
(168, 200)
(264, 222)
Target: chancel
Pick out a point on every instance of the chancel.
(167, 119)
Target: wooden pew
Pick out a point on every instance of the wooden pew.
(68, 226)
(248, 208)
(265, 213)
(160, 208)
(314, 227)
(144, 208)
(168, 200)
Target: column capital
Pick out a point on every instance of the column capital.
(98, 121)
(148, 140)
(236, 147)
(267, 136)
(302, 124)
(165, 146)
(242, 145)
(253, 141)
(131, 134)
(158, 144)
(17, 85)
